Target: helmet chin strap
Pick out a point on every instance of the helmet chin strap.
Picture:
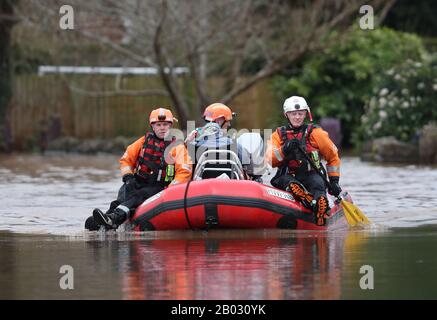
(224, 122)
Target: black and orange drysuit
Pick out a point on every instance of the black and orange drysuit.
(291, 167)
(153, 164)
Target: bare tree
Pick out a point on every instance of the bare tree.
(7, 20)
(239, 41)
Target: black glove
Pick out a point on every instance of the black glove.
(129, 181)
(128, 178)
(291, 148)
(334, 187)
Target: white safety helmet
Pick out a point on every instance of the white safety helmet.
(296, 103)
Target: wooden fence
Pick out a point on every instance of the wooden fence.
(45, 105)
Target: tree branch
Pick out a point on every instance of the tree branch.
(385, 11)
(169, 83)
(289, 54)
(118, 48)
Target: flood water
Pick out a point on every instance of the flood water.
(46, 199)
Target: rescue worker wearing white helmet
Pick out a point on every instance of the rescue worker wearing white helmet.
(295, 174)
(146, 168)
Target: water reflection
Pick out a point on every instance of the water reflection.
(303, 265)
(219, 264)
(222, 264)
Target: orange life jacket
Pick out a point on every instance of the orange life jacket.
(297, 162)
(151, 165)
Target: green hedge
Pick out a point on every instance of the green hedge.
(403, 101)
(338, 81)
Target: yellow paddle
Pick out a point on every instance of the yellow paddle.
(353, 214)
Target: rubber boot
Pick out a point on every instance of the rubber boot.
(118, 217)
(103, 219)
(91, 225)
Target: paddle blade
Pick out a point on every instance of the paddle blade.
(353, 214)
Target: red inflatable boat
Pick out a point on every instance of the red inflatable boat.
(215, 203)
(221, 196)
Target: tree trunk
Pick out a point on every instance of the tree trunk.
(6, 23)
(168, 78)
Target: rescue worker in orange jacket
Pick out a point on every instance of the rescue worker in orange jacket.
(218, 114)
(147, 167)
(295, 174)
(214, 134)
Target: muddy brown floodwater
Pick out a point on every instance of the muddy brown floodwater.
(46, 199)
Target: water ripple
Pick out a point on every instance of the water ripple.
(55, 194)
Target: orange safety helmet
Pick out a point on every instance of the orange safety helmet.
(218, 110)
(161, 114)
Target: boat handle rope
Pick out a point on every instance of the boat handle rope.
(185, 205)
